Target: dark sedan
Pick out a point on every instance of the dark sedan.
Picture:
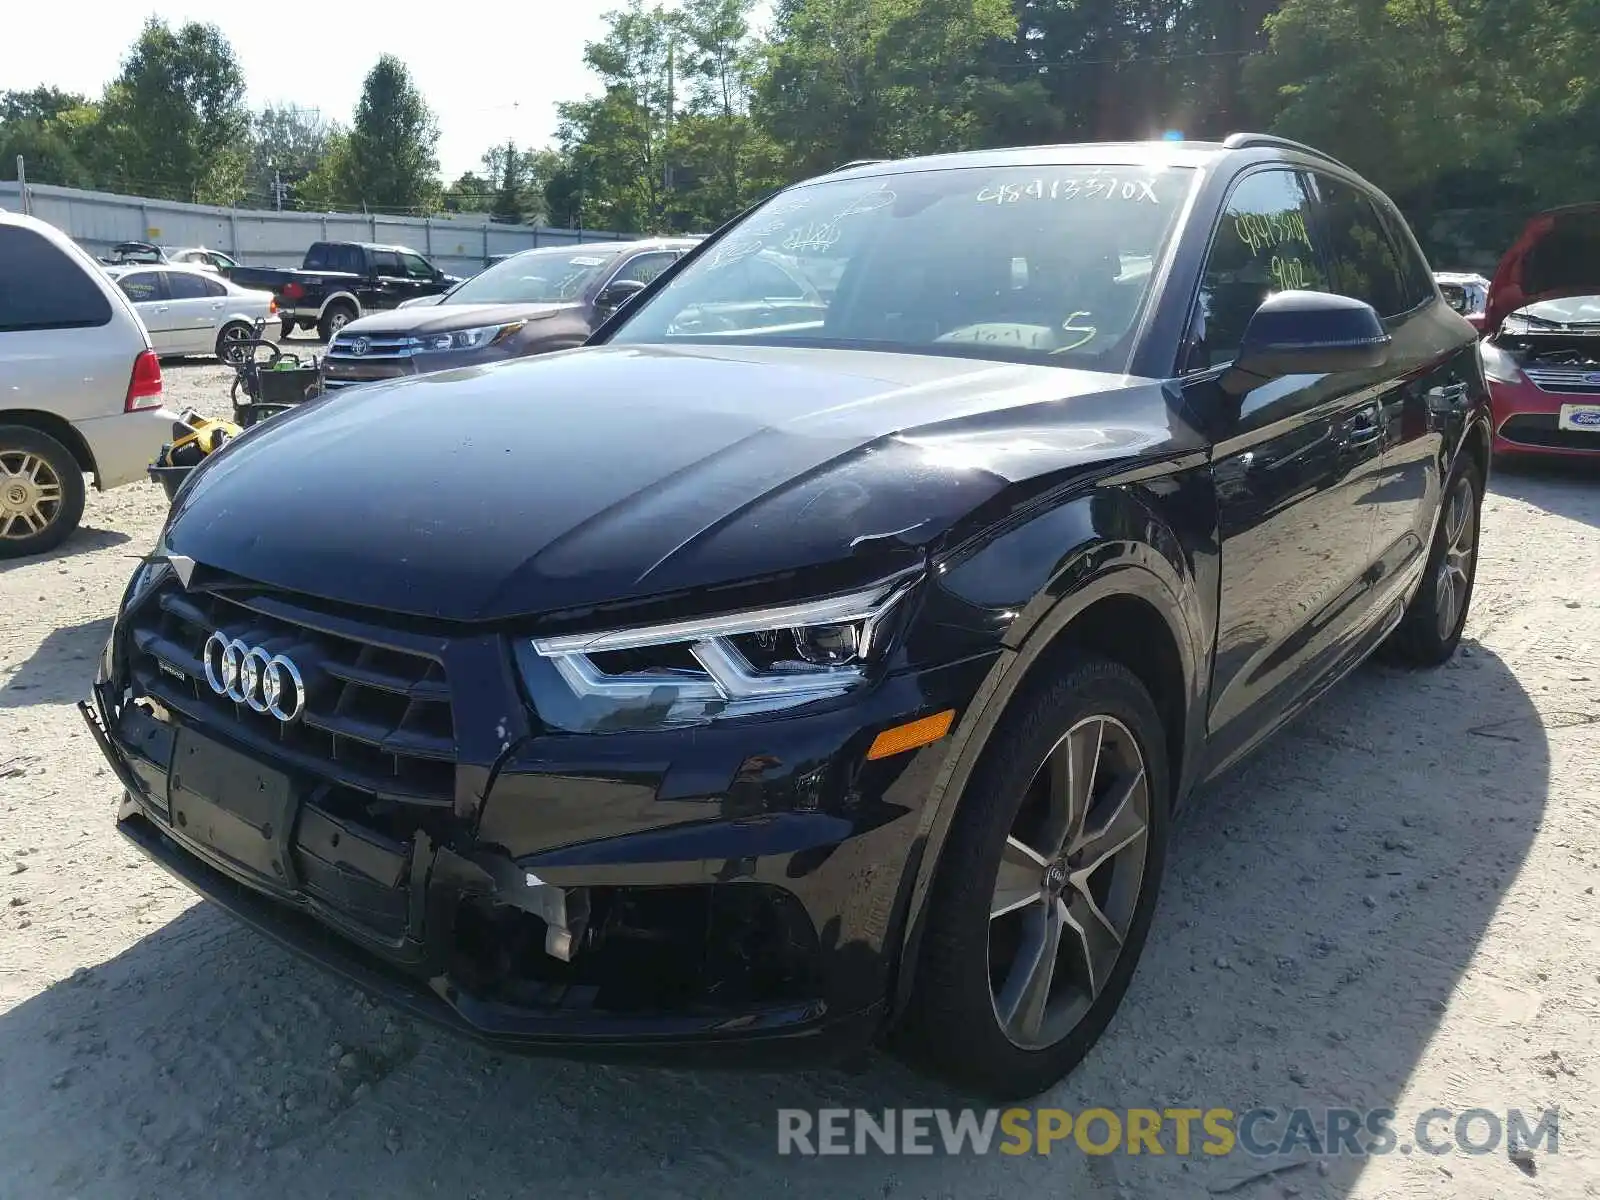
(528, 303)
(766, 679)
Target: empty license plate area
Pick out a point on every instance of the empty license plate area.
(230, 803)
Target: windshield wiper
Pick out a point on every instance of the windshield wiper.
(1542, 322)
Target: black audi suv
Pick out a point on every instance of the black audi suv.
(775, 675)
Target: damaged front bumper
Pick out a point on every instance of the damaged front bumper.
(755, 924)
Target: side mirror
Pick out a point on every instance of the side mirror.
(617, 293)
(1307, 333)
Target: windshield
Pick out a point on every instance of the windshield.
(1573, 310)
(1024, 264)
(553, 276)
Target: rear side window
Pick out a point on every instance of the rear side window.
(1361, 258)
(1264, 243)
(386, 262)
(1415, 274)
(182, 286)
(319, 257)
(41, 287)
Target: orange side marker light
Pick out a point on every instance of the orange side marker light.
(912, 734)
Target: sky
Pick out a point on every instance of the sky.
(490, 73)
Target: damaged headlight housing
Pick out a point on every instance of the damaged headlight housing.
(466, 339)
(713, 668)
(151, 571)
(1499, 365)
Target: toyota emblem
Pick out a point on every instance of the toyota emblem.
(360, 346)
(253, 676)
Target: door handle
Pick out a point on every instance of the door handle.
(162, 307)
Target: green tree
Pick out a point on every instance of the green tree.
(392, 163)
(174, 119)
(470, 192)
(53, 131)
(849, 79)
(671, 143)
(615, 139)
(1396, 89)
(288, 144)
(329, 186)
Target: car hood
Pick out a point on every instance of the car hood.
(441, 318)
(610, 474)
(1556, 255)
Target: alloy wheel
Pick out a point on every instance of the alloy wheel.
(336, 322)
(1068, 882)
(30, 494)
(233, 338)
(1455, 568)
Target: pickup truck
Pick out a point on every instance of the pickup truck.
(339, 281)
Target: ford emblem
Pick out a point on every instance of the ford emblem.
(360, 346)
(1589, 419)
(1593, 377)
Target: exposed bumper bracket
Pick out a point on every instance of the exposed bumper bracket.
(564, 910)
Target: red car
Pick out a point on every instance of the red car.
(1542, 352)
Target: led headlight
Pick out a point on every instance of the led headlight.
(466, 339)
(691, 672)
(1498, 364)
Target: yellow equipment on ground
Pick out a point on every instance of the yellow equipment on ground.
(193, 438)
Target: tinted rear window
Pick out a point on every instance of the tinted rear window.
(182, 286)
(1364, 262)
(41, 287)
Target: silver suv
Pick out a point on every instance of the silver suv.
(80, 386)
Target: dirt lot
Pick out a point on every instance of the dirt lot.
(1394, 905)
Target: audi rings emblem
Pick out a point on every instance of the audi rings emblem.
(250, 675)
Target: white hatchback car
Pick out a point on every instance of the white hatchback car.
(190, 309)
(80, 386)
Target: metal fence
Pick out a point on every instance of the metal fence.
(99, 220)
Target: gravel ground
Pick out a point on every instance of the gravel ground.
(1393, 905)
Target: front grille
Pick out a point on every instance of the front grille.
(376, 719)
(1543, 429)
(1577, 381)
(377, 346)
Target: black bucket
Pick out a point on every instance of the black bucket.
(170, 479)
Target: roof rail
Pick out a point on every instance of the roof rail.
(1243, 141)
(857, 162)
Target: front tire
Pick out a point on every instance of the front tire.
(335, 319)
(41, 492)
(1431, 629)
(1046, 889)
